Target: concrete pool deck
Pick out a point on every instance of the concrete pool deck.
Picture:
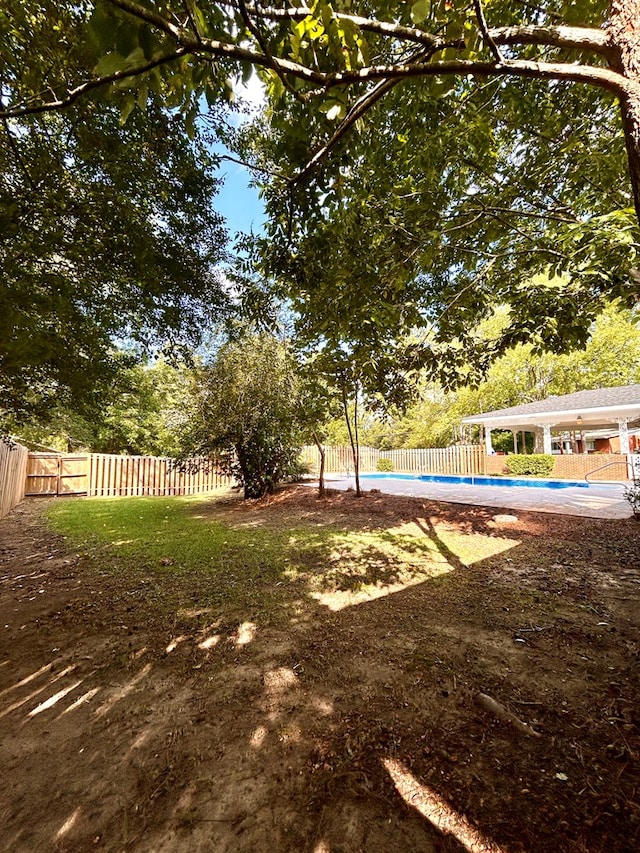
(598, 501)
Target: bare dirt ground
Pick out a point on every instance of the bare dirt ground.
(345, 723)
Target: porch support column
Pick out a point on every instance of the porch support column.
(537, 440)
(546, 438)
(487, 440)
(583, 439)
(624, 436)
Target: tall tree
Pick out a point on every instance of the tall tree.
(107, 232)
(148, 410)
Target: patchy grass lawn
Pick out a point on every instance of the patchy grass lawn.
(248, 567)
(294, 674)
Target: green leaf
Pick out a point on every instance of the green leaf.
(127, 38)
(110, 64)
(419, 11)
(210, 94)
(143, 95)
(201, 23)
(103, 27)
(247, 71)
(148, 41)
(190, 121)
(155, 82)
(135, 58)
(316, 32)
(126, 109)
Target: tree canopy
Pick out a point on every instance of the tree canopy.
(332, 60)
(109, 238)
(486, 197)
(422, 162)
(147, 412)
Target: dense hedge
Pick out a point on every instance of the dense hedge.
(384, 464)
(531, 464)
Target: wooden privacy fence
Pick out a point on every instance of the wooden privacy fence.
(110, 475)
(113, 476)
(13, 466)
(460, 459)
(339, 460)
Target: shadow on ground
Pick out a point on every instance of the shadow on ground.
(328, 705)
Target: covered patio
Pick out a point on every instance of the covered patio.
(605, 409)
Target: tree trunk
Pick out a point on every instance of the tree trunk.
(624, 36)
(357, 448)
(353, 442)
(322, 453)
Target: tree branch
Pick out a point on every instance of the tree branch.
(361, 106)
(192, 44)
(577, 38)
(252, 166)
(573, 38)
(396, 31)
(180, 34)
(84, 88)
(527, 214)
(604, 78)
(484, 30)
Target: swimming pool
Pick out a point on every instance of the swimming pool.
(479, 480)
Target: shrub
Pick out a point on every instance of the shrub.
(384, 464)
(298, 471)
(632, 494)
(531, 464)
(245, 413)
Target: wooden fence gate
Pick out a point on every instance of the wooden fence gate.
(54, 474)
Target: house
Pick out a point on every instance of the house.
(602, 420)
(597, 441)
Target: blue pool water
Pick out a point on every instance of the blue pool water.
(478, 480)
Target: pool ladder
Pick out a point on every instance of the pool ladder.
(601, 468)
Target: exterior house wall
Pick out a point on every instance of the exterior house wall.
(612, 445)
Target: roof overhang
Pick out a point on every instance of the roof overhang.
(569, 419)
